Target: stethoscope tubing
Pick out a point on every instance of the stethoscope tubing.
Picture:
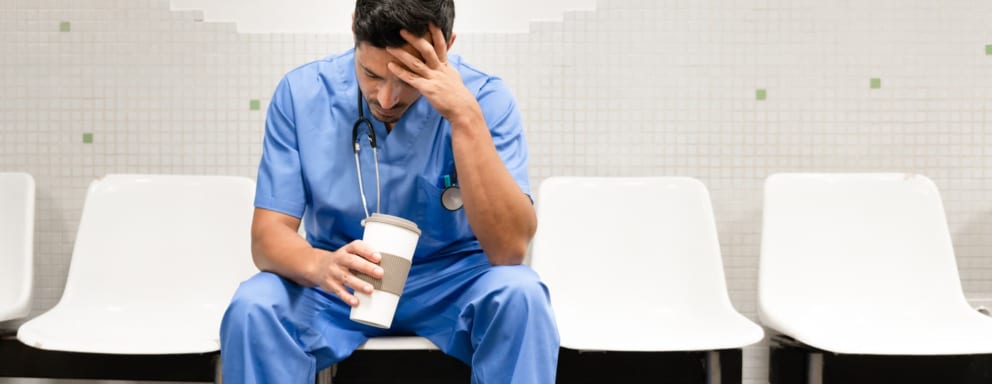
(362, 120)
(450, 198)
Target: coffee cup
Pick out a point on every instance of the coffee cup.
(395, 239)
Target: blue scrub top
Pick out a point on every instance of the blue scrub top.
(308, 165)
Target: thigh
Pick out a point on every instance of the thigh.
(442, 298)
(318, 321)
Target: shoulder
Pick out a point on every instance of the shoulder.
(327, 74)
(476, 80)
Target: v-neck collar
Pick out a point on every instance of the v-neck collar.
(397, 144)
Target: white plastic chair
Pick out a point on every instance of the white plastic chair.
(863, 264)
(17, 198)
(634, 264)
(156, 261)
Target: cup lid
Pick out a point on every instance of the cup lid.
(393, 220)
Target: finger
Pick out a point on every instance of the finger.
(343, 294)
(423, 46)
(440, 46)
(408, 61)
(357, 263)
(357, 284)
(408, 77)
(364, 250)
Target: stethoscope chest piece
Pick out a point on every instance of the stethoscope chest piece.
(451, 198)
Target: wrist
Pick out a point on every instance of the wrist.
(314, 266)
(466, 117)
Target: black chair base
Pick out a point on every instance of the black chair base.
(790, 365)
(365, 367)
(574, 367)
(20, 360)
(577, 367)
(407, 367)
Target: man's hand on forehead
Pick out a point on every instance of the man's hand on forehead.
(429, 49)
(423, 63)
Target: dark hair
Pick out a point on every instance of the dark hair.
(378, 22)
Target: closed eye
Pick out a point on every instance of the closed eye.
(371, 75)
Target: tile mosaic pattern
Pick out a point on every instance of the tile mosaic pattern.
(636, 87)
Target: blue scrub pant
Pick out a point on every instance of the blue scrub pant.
(496, 319)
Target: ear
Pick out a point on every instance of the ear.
(451, 40)
(353, 25)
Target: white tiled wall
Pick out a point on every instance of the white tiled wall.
(725, 91)
(334, 16)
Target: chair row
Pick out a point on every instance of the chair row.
(850, 263)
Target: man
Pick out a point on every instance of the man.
(438, 122)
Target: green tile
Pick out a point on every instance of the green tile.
(988, 49)
(876, 83)
(761, 94)
(254, 105)
(87, 138)
(64, 26)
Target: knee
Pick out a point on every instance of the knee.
(518, 286)
(255, 298)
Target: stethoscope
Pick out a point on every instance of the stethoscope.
(451, 197)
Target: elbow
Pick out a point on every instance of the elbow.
(509, 254)
(261, 246)
(510, 248)
(257, 253)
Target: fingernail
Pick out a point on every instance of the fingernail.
(377, 255)
(378, 270)
(369, 289)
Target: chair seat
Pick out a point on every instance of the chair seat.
(892, 333)
(657, 332)
(398, 343)
(133, 331)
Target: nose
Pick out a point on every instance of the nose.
(388, 95)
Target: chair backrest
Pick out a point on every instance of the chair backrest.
(17, 200)
(159, 240)
(861, 245)
(628, 250)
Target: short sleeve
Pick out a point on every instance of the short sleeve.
(280, 184)
(506, 126)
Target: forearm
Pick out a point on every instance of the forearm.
(500, 214)
(278, 248)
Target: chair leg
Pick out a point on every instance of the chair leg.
(326, 376)
(218, 371)
(815, 368)
(713, 370)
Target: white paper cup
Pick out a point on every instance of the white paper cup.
(395, 239)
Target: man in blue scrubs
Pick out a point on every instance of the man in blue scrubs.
(438, 121)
